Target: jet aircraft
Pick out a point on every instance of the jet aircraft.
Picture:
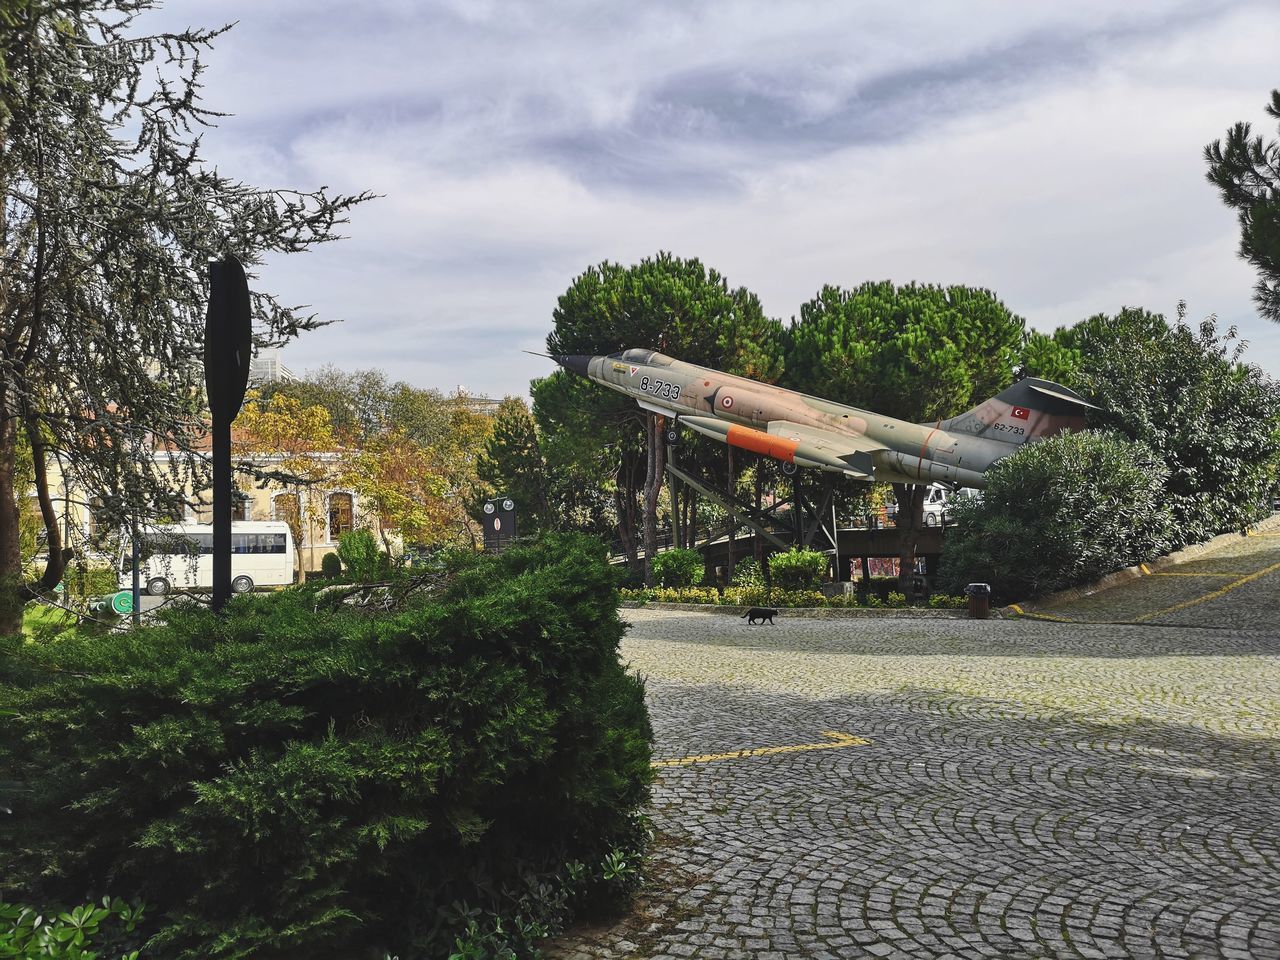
(811, 432)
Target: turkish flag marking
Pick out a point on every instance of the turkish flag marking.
(1020, 413)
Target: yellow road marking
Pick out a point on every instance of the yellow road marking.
(1038, 616)
(1212, 595)
(1233, 573)
(839, 740)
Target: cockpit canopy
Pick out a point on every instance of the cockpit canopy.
(641, 355)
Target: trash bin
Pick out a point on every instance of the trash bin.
(979, 595)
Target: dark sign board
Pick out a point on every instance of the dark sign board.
(499, 518)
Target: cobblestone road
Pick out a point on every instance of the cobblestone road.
(1029, 789)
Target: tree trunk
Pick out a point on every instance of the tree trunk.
(656, 461)
(731, 519)
(57, 557)
(11, 587)
(759, 540)
(628, 517)
(910, 497)
(620, 493)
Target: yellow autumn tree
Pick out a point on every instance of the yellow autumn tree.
(403, 483)
(293, 446)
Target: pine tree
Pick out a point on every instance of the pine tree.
(1246, 170)
(915, 352)
(512, 464)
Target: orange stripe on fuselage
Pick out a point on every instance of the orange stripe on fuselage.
(758, 441)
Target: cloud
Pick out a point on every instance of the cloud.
(1050, 152)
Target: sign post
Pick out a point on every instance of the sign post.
(228, 347)
(499, 523)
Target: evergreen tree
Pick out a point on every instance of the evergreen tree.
(1186, 394)
(918, 353)
(110, 217)
(1246, 170)
(678, 307)
(512, 464)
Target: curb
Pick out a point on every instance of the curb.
(818, 613)
(1026, 608)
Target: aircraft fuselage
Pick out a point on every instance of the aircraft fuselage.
(798, 428)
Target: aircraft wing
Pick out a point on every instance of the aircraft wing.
(854, 450)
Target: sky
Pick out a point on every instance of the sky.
(1049, 152)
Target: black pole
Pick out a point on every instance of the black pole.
(221, 513)
(228, 346)
(137, 577)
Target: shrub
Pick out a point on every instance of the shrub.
(678, 568)
(361, 558)
(1058, 513)
(747, 573)
(57, 934)
(288, 781)
(81, 582)
(798, 569)
(330, 566)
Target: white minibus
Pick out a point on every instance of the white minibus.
(179, 556)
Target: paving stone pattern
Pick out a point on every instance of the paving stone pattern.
(1031, 789)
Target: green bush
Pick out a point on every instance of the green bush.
(361, 558)
(1059, 513)
(747, 573)
(678, 568)
(758, 597)
(27, 932)
(798, 569)
(331, 566)
(291, 781)
(83, 582)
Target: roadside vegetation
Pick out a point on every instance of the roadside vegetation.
(302, 776)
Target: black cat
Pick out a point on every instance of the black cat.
(760, 613)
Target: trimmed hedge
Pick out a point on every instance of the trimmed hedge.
(679, 567)
(759, 597)
(282, 781)
(798, 569)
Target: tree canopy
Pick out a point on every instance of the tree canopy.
(110, 216)
(1246, 170)
(1185, 392)
(676, 306)
(916, 352)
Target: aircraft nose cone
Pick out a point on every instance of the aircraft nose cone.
(574, 362)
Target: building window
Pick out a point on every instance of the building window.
(340, 515)
(284, 507)
(239, 506)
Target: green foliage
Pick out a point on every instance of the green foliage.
(678, 568)
(27, 933)
(111, 212)
(361, 558)
(1246, 170)
(759, 597)
(747, 573)
(331, 566)
(512, 464)
(82, 582)
(1058, 513)
(675, 306)
(291, 779)
(915, 352)
(798, 569)
(1185, 393)
(680, 307)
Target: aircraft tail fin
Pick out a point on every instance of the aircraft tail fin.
(1031, 409)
